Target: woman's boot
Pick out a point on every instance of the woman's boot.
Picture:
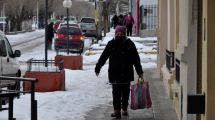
(116, 114)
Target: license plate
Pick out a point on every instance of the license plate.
(70, 37)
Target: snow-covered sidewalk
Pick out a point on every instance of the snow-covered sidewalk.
(84, 91)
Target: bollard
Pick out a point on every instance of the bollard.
(10, 115)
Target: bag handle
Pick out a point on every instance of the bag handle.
(140, 80)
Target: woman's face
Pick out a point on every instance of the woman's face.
(120, 36)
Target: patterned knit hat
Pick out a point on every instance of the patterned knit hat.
(120, 30)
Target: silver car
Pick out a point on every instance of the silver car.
(88, 26)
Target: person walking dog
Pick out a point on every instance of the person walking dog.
(122, 55)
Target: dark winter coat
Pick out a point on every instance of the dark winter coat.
(115, 20)
(122, 57)
(50, 32)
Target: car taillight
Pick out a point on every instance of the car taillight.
(60, 36)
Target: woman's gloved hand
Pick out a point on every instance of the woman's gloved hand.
(141, 75)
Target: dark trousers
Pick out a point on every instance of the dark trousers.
(129, 30)
(49, 46)
(120, 96)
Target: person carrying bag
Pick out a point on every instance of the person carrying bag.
(140, 95)
(123, 56)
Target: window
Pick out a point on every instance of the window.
(72, 31)
(88, 20)
(3, 50)
(10, 51)
(177, 69)
(149, 14)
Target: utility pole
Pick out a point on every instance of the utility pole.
(46, 33)
(5, 18)
(37, 14)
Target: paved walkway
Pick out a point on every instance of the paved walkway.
(161, 109)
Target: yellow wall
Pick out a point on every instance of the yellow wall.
(176, 28)
(209, 58)
(162, 32)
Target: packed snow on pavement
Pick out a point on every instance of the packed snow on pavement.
(84, 90)
(25, 37)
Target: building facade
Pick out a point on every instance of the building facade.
(186, 60)
(145, 13)
(148, 12)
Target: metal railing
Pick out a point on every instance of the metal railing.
(39, 65)
(13, 93)
(170, 58)
(148, 16)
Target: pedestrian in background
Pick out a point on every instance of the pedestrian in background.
(50, 35)
(120, 20)
(115, 21)
(128, 22)
(122, 55)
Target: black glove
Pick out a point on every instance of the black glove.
(141, 75)
(97, 71)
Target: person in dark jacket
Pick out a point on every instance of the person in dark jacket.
(120, 20)
(115, 21)
(50, 35)
(122, 55)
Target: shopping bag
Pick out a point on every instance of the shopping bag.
(140, 95)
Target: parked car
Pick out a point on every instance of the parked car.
(64, 24)
(71, 19)
(88, 26)
(9, 66)
(75, 39)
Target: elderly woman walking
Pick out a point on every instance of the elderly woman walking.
(122, 55)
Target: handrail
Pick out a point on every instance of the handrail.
(41, 63)
(32, 92)
(10, 95)
(18, 79)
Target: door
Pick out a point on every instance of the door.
(3, 54)
(10, 64)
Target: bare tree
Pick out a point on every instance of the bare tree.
(20, 10)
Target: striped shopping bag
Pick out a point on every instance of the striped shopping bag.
(140, 95)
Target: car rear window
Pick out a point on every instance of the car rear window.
(72, 30)
(65, 25)
(72, 19)
(87, 20)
